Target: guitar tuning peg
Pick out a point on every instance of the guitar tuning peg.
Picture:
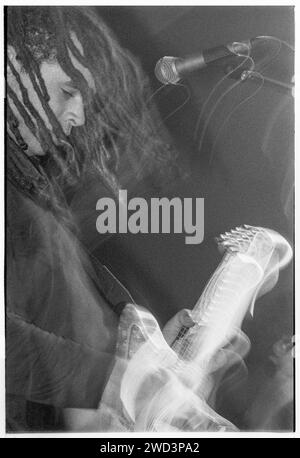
(240, 243)
(244, 230)
(233, 249)
(227, 243)
(236, 231)
(245, 236)
(223, 237)
(252, 229)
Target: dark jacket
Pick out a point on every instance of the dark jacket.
(60, 323)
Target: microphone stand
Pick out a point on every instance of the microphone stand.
(249, 74)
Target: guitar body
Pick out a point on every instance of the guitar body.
(149, 383)
(137, 329)
(162, 388)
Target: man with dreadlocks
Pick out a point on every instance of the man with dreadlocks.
(75, 106)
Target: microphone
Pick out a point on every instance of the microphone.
(169, 70)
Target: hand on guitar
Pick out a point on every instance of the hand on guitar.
(173, 326)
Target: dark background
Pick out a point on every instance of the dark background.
(244, 169)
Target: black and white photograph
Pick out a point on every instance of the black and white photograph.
(149, 219)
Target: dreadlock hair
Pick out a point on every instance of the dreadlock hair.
(120, 139)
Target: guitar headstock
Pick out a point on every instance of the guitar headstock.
(240, 238)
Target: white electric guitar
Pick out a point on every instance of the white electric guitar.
(157, 387)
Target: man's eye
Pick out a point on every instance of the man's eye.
(67, 94)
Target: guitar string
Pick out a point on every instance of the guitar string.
(211, 290)
(187, 349)
(200, 304)
(184, 346)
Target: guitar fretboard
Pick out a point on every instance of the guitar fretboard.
(221, 306)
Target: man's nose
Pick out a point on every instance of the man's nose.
(76, 111)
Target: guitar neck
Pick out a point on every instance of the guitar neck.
(220, 308)
(205, 301)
